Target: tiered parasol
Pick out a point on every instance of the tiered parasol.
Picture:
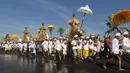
(14, 38)
(26, 36)
(73, 20)
(122, 17)
(41, 35)
(86, 11)
(74, 29)
(51, 27)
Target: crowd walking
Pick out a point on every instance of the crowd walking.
(76, 50)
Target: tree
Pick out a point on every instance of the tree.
(113, 28)
(61, 31)
(83, 30)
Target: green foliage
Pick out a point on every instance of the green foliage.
(61, 31)
(83, 30)
(43, 24)
(111, 27)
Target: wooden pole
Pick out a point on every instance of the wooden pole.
(51, 32)
(82, 21)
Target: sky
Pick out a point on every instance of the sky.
(15, 15)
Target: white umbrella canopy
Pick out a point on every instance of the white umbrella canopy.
(86, 10)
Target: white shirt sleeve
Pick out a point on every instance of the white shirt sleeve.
(117, 43)
(126, 43)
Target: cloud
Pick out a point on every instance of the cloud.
(11, 26)
(57, 8)
(90, 30)
(10, 29)
(2, 35)
(32, 26)
(61, 14)
(92, 27)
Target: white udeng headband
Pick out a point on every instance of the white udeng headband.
(125, 33)
(117, 34)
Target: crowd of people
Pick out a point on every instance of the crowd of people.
(77, 49)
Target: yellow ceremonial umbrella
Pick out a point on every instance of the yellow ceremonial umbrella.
(111, 16)
(14, 36)
(51, 27)
(122, 17)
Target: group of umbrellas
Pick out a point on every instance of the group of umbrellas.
(120, 18)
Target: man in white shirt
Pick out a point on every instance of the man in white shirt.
(9, 46)
(15, 46)
(58, 45)
(32, 48)
(64, 45)
(91, 50)
(24, 50)
(80, 47)
(45, 45)
(50, 46)
(86, 48)
(91, 47)
(116, 50)
(6, 46)
(74, 44)
(20, 47)
(54, 46)
(115, 44)
(126, 43)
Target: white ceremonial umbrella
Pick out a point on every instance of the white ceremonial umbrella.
(86, 11)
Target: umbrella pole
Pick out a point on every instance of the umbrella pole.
(82, 21)
(50, 33)
(67, 29)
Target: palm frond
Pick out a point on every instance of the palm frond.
(109, 17)
(108, 24)
(124, 28)
(110, 31)
(118, 29)
(61, 31)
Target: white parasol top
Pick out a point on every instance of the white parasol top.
(85, 10)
